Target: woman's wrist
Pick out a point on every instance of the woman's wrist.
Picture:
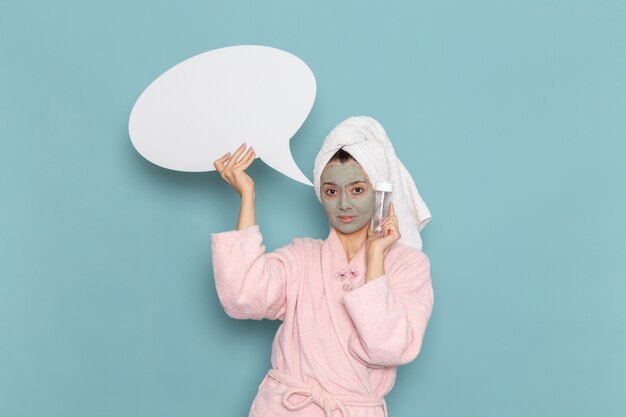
(374, 253)
(247, 211)
(247, 194)
(375, 265)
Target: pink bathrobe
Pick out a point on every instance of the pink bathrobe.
(340, 341)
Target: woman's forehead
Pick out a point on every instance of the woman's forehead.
(347, 172)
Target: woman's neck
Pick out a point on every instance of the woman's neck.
(352, 242)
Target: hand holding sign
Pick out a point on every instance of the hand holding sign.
(233, 169)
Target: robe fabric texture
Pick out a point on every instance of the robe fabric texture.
(341, 340)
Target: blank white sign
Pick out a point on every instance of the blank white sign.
(209, 104)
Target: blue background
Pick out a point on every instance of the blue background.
(509, 115)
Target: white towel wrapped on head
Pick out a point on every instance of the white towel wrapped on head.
(365, 139)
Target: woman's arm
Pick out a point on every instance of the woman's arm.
(391, 312)
(232, 169)
(250, 283)
(247, 212)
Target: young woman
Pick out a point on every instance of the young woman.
(354, 306)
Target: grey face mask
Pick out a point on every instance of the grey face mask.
(347, 196)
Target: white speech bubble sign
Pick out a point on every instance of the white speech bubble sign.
(213, 102)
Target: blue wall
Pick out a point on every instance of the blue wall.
(510, 116)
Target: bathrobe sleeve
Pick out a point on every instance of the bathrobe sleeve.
(250, 283)
(391, 312)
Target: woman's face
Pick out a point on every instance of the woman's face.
(347, 196)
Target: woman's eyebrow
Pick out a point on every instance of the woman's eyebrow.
(352, 183)
(358, 182)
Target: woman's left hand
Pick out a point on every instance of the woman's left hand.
(390, 232)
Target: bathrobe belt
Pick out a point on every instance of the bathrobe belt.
(323, 399)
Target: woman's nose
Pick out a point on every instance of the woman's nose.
(344, 202)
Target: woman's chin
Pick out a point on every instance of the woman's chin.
(349, 228)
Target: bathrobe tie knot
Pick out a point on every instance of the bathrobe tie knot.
(315, 394)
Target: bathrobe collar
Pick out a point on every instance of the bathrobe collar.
(340, 277)
(339, 253)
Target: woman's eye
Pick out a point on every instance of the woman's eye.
(358, 190)
(330, 191)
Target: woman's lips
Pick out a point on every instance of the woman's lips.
(345, 219)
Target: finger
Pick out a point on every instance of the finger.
(223, 158)
(392, 211)
(235, 156)
(245, 158)
(390, 229)
(391, 217)
(242, 159)
(373, 234)
(249, 160)
(390, 220)
(219, 163)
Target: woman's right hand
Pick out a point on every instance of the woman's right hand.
(232, 169)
